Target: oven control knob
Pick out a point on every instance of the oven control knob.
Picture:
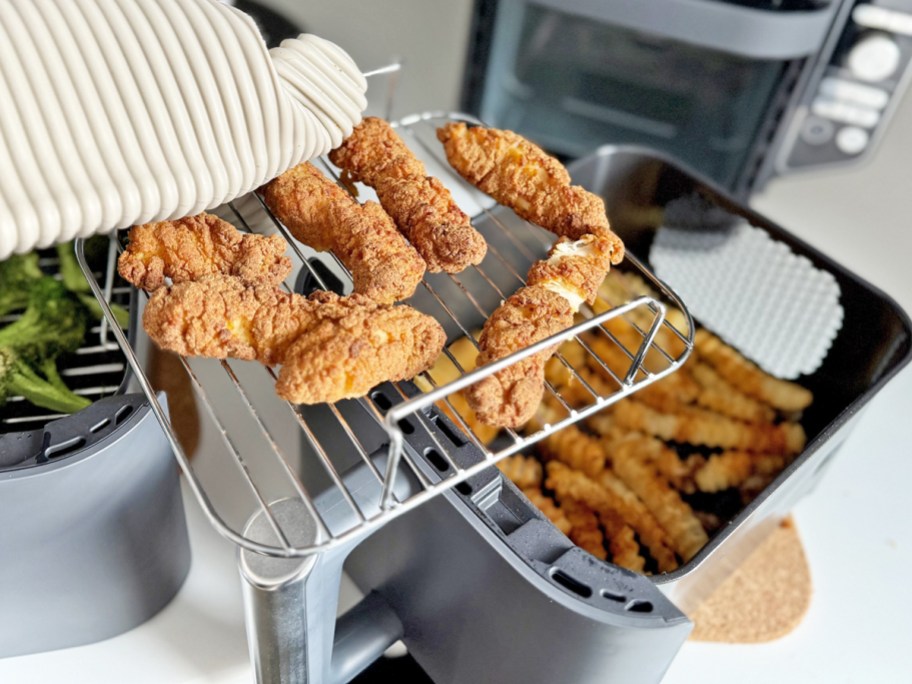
(874, 58)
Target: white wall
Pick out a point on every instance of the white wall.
(431, 36)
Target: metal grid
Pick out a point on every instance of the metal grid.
(95, 370)
(461, 302)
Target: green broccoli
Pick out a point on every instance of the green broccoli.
(75, 281)
(17, 275)
(53, 323)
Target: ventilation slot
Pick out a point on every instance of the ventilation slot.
(436, 460)
(454, 437)
(639, 606)
(570, 584)
(67, 447)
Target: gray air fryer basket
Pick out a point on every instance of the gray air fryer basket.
(488, 590)
(93, 537)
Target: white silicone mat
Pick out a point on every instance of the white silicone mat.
(773, 305)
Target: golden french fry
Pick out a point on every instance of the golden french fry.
(610, 494)
(732, 468)
(524, 471)
(718, 395)
(549, 507)
(622, 542)
(697, 426)
(577, 449)
(747, 377)
(584, 531)
(674, 515)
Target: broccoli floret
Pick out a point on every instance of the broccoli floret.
(53, 323)
(17, 275)
(19, 378)
(75, 281)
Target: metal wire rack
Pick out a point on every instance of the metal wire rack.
(280, 451)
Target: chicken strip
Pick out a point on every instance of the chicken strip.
(383, 265)
(510, 396)
(331, 347)
(522, 176)
(423, 209)
(197, 246)
(574, 269)
(557, 285)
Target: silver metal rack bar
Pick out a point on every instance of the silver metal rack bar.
(462, 303)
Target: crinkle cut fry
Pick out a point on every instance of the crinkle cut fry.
(732, 468)
(383, 265)
(522, 176)
(679, 472)
(423, 209)
(719, 395)
(696, 426)
(622, 543)
(610, 494)
(747, 377)
(524, 471)
(674, 515)
(197, 246)
(330, 347)
(577, 449)
(549, 508)
(584, 527)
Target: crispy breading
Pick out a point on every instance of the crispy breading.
(423, 209)
(197, 246)
(331, 347)
(445, 370)
(524, 471)
(353, 346)
(747, 377)
(222, 317)
(522, 176)
(383, 265)
(674, 515)
(697, 426)
(509, 397)
(574, 269)
(610, 494)
(549, 508)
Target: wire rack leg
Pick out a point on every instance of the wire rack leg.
(290, 603)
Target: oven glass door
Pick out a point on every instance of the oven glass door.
(572, 83)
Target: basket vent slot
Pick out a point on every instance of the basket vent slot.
(571, 584)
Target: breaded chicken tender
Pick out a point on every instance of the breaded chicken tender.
(331, 347)
(423, 209)
(510, 397)
(570, 274)
(574, 269)
(383, 265)
(522, 176)
(197, 246)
